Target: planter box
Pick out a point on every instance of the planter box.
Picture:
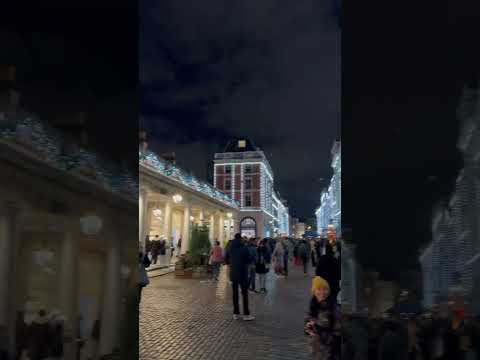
(184, 273)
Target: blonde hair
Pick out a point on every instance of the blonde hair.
(320, 283)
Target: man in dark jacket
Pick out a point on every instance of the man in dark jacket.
(328, 267)
(238, 258)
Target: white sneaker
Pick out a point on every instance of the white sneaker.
(248, 318)
(236, 317)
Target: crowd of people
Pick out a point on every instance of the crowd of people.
(437, 335)
(249, 260)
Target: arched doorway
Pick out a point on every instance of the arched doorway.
(248, 227)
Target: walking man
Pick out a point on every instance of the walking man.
(252, 248)
(238, 258)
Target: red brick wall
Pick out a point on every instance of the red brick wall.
(237, 196)
(221, 169)
(256, 168)
(238, 180)
(256, 182)
(256, 198)
(220, 181)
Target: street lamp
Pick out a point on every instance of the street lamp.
(229, 215)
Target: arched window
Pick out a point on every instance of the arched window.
(248, 227)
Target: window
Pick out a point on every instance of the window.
(242, 143)
(228, 184)
(228, 169)
(248, 200)
(248, 184)
(248, 169)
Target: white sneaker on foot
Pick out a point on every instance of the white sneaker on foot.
(248, 318)
(236, 317)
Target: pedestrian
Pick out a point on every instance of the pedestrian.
(263, 263)
(57, 323)
(277, 256)
(252, 248)
(179, 246)
(154, 250)
(304, 253)
(40, 337)
(313, 255)
(329, 268)
(143, 281)
(238, 259)
(296, 258)
(285, 258)
(322, 323)
(216, 259)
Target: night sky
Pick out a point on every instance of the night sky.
(265, 70)
(402, 75)
(78, 57)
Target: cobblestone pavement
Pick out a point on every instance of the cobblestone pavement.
(189, 319)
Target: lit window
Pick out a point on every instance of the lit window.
(242, 143)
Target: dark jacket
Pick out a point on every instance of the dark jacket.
(238, 258)
(328, 267)
(39, 339)
(263, 259)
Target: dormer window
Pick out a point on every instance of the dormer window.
(242, 144)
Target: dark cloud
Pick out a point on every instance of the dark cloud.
(265, 70)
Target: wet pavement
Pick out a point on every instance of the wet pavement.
(190, 319)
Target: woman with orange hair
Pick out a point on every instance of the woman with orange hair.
(322, 323)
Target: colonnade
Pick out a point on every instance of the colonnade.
(220, 221)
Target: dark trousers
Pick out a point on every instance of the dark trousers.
(244, 287)
(305, 265)
(285, 266)
(154, 258)
(251, 278)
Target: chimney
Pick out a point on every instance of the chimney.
(142, 140)
(170, 157)
(82, 122)
(7, 87)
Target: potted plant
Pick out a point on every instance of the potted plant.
(200, 249)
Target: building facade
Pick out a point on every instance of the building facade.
(244, 174)
(66, 223)
(172, 201)
(330, 210)
(453, 256)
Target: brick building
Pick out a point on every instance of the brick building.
(243, 172)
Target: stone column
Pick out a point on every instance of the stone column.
(68, 285)
(109, 323)
(211, 230)
(167, 223)
(9, 244)
(221, 232)
(186, 229)
(6, 261)
(141, 217)
(201, 217)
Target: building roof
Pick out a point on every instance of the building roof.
(47, 144)
(234, 145)
(162, 167)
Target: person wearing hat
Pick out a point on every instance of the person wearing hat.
(322, 322)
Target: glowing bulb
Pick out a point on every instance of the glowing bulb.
(177, 198)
